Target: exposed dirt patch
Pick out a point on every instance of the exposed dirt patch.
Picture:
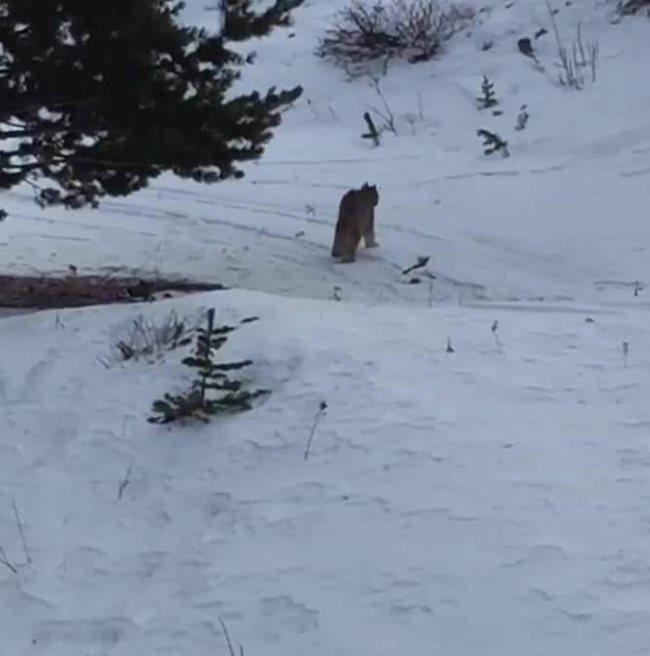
(44, 292)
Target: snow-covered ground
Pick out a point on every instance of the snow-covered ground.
(491, 501)
(563, 218)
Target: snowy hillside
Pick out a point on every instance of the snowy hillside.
(492, 500)
(489, 497)
(563, 218)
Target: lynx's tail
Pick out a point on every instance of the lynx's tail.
(338, 237)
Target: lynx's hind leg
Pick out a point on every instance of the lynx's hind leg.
(369, 239)
(349, 246)
(369, 234)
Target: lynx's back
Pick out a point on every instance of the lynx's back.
(358, 204)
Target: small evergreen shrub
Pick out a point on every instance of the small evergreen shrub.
(488, 97)
(493, 143)
(212, 391)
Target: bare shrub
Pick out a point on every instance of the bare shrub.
(578, 62)
(628, 7)
(146, 338)
(414, 30)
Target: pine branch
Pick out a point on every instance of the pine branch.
(139, 94)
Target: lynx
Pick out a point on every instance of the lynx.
(356, 220)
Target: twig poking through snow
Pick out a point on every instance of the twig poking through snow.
(430, 279)
(387, 115)
(21, 531)
(127, 476)
(373, 134)
(4, 560)
(450, 348)
(495, 333)
(231, 651)
(319, 413)
(422, 261)
(626, 350)
(125, 481)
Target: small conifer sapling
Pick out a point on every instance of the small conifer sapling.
(212, 391)
(488, 98)
(493, 143)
